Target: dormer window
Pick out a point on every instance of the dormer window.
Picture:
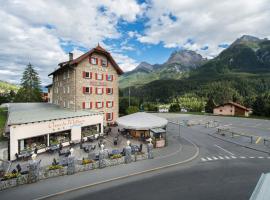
(93, 61)
(104, 62)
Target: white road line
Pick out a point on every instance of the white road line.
(243, 157)
(227, 157)
(268, 157)
(251, 157)
(260, 157)
(224, 149)
(233, 157)
(221, 158)
(215, 158)
(203, 159)
(209, 158)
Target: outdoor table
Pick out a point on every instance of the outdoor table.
(25, 154)
(53, 148)
(64, 152)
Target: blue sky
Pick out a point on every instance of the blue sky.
(132, 30)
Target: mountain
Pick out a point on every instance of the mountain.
(239, 73)
(176, 67)
(6, 87)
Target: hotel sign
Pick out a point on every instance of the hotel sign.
(65, 124)
(98, 83)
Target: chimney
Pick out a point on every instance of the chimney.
(70, 56)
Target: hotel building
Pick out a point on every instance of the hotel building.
(89, 82)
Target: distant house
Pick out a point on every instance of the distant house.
(232, 109)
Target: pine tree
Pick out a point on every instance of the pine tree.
(30, 86)
(210, 105)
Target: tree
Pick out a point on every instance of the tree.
(132, 109)
(175, 107)
(30, 86)
(210, 105)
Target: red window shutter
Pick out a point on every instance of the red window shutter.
(102, 77)
(112, 90)
(90, 75)
(91, 105)
(96, 90)
(106, 90)
(97, 61)
(83, 74)
(107, 116)
(102, 104)
(96, 76)
(83, 105)
(112, 103)
(83, 90)
(91, 90)
(106, 77)
(102, 90)
(96, 104)
(107, 104)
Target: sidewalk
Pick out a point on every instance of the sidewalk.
(188, 152)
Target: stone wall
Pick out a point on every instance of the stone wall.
(45, 173)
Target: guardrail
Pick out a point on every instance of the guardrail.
(234, 133)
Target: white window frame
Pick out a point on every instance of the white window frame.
(111, 90)
(109, 77)
(99, 76)
(88, 105)
(109, 118)
(89, 90)
(99, 91)
(68, 89)
(89, 75)
(99, 104)
(95, 61)
(110, 104)
(104, 60)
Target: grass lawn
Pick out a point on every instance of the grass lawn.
(3, 118)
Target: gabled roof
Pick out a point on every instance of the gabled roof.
(97, 49)
(234, 104)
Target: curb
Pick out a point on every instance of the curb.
(125, 176)
(248, 147)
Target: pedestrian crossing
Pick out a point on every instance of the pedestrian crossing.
(230, 157)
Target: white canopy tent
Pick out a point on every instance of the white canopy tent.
(141, 121)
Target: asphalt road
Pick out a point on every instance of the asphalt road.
(232, 177)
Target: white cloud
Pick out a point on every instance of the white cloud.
(125, 63)
(206, 21)
(34, 30)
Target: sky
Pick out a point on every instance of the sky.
(43, 32)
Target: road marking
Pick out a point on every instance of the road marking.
(202, 159)
(224, 149)
(227, 157)
(251, 157)
(209, 158)
(258, 140)
(260, 157)
(215, 158)
(243, 157)
(221, 158)
(268, 157)
(233, 157)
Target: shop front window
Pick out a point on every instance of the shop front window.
(60, 137)
(89, 130)
(30, 144)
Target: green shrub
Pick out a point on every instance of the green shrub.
(53, 167)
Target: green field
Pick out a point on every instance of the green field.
(3, 118)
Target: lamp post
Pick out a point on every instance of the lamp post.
(179, 127)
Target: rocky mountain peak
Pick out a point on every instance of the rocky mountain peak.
(144, 66)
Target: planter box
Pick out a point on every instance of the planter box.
(44, 174)
(13, 182)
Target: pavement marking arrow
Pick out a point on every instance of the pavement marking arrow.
(260, 157)
(227, 157)
(215, 158)
(233, 157)
(251, 157)
(243, 157)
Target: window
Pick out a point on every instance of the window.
(64, 75)
(68, 104)
(87, 74)
(109, 104)
(99, 104)
(104, 62)
(68, 73)
(64, 104)
(64, 89)
(68, 89)
(109, 116)
(88, 105)
(99, 90)
(109, 90)
(93, 60)
(56, 90)
(109, 77)
(87, 90)
(99, 76)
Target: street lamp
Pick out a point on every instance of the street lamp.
(179, 128)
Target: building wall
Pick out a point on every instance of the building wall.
(64, 89)
(225, 110)
(76, 98)
(24, 131)
(50, 94)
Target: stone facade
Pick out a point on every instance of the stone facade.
(71, 85)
